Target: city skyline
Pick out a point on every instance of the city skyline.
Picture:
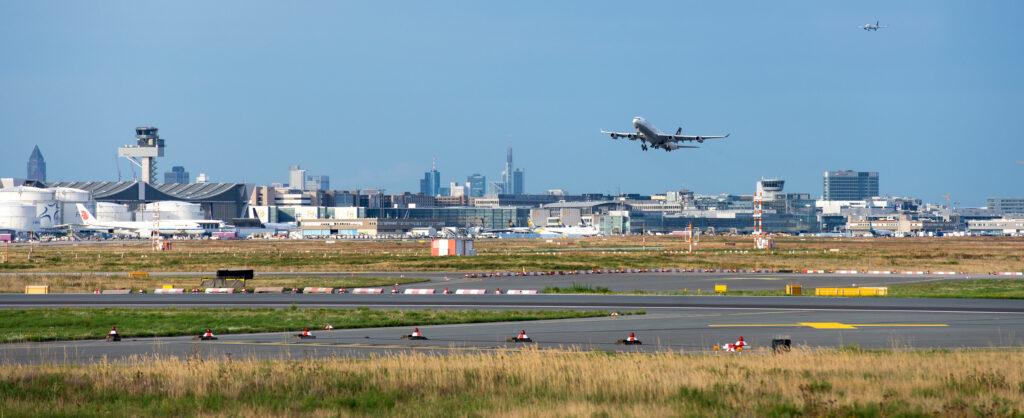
(929, 102)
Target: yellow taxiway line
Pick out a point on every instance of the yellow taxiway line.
(824, 325)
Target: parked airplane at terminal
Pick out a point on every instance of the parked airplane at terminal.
(872, 27)
(146, 229)
(648, 134)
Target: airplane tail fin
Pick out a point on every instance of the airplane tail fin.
(84, 214)
(679, 131)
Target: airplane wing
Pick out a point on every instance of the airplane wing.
(617, 135)
(698, 138)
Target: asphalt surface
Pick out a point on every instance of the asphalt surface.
(614, 281)
(671, 329)
(686, 323)
(511, 301)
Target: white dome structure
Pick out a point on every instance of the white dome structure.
(47, 210)
(112, 212)
(171, 210)
(67, 198)
(18, 216)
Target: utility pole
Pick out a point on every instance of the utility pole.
(690, 228)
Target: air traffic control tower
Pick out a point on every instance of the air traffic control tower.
(143, 154)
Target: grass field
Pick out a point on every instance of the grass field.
(972, 254)
(45, 324)
(536, 383)
(84, 283)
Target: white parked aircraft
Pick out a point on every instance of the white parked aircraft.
(567, 231)
(145, 229)
(648, 134)
(872, 27)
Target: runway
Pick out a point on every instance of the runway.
(676, 281)
(686, 323)
(670, 329)
(513, 302)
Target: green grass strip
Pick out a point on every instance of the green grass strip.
(48, 324)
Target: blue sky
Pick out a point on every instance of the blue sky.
(368, 92)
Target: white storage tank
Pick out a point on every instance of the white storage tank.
(18, 216)
(171, 210)
(112, 212)
(67, 199)
(47, 210)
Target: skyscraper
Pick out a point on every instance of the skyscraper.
(519, 182)
(850, 185)
(177, 175)
(506, 175)
(477, 185)
(318, 182)
(36, 168)
(296, 177)
(430, 184)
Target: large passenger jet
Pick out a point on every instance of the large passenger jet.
(648, 134)
(145, 229)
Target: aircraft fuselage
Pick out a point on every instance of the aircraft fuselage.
(648, 131)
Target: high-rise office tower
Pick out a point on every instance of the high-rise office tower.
(430, 184)
(177, 175)
(477, 185)
(296, 177)
(36, 168)
(849, 185)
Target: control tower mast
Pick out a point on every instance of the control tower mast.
(143, 154)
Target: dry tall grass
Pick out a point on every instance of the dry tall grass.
(972, 254)
(85, 283)
(536, 383)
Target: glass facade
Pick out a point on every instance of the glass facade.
(489, 218)
(850, 185)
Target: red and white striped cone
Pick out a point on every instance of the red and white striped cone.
(394, 290)
(305, 334)
(416, 335)
(521, 338)
(740, 344)
(446, 291)
(208, 335)
(96, 292)
(630, 340)
(497, 291)
(113, 335)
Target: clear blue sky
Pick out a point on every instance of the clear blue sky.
(368, 92)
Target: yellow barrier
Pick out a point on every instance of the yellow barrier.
(851, 291)
(721, 288)
(794, 290)
(37, 290)
(138, 274)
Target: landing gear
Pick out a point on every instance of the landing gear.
(643, 147)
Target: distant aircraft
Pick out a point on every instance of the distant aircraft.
(146, 229)
(648, 134)
(874, 26)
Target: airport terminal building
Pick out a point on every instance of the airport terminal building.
(221, 201)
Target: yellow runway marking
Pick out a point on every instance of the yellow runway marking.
(827, 325)
(824, 325)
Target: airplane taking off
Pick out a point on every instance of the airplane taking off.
(648, 134)
(146, 229)
(874, 26)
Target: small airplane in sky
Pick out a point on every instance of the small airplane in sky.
(648, 134)
(873, 27)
